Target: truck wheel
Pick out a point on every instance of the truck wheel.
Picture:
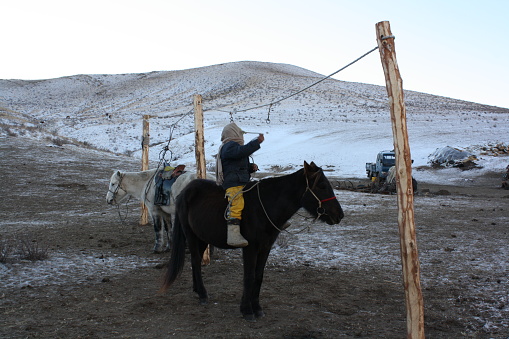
(414, 185)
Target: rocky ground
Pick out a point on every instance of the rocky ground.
(101, 280)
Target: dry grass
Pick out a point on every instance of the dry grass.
(23, 247)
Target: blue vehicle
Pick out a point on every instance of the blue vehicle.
(382, 178)
(380, 169)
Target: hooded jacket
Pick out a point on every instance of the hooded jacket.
(233, 167)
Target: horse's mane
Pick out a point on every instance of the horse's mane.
(275, 180)
(144, 175)
(148, 173)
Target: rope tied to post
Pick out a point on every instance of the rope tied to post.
(270, 104)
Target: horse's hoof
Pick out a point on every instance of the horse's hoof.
(250, 317)
(204, 301)
(259, 314)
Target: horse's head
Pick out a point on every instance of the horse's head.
(319, 198)
(115, 191)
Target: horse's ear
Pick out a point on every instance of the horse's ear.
(119, 174)
(307, 168)
(310, 167)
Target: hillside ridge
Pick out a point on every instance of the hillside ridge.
(106, 111)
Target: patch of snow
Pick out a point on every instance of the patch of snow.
(339, 125)
(63, 267)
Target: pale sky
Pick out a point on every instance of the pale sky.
(452, 48)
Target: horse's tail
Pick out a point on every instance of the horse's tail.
(177, 254)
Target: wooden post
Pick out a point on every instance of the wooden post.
(145, 142)
(199, 138)
(408, 242)
(199, 149)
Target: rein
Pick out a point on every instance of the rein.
(270, 220)
(233, 198)
(122, 219)
(257, 185)
(118, 188)
(319, 210)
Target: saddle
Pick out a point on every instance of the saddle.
(164, 179)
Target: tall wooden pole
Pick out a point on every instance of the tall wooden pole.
(199, 150)
(406, 223)
(199, 138)
(144, 163)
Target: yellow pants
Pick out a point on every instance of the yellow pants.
(237, 205)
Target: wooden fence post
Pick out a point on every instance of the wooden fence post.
(199, 138)
(144, 163)
(199, 149)
(408, 242)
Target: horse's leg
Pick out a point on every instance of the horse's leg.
(158, 222)
(167, 229)
(249, 255)
(197, 247)
(263, 255)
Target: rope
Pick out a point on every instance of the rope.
(123, 219)
(264, 211)
(234, 111)
(162, 153)
(270, 220)
(230, 202)
(172, 128)
(270, 104)
(257, 185)
(298, 92)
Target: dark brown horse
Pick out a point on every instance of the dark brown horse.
(269, 204)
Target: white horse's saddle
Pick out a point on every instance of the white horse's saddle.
(164, 179)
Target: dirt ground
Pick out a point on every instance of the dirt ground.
(56, 197)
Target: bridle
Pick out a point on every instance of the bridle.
(319, 210)
(122, 219)
(117, 188)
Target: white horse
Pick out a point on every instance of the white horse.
(141, 185)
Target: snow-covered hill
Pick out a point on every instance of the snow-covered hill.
(339, 125)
